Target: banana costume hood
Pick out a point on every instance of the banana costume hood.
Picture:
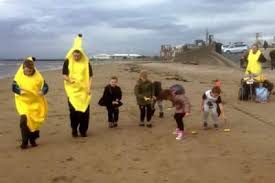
(77, 92)
(30, 102)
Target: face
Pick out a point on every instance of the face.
(254, 49)
(27, 71)
(215, 94)
(77, 56)
(113, 82)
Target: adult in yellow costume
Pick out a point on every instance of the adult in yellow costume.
(29, 88)
(77, 74)
(254, 59)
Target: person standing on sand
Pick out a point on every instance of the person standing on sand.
(182, 108)
(112, 100)
(30, 87)
(272, 57)
(77, 74)
(144, 91)
(212, 102)
(254, 58)
(158, 100)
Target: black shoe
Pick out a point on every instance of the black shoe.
(205, 125)
(216, 126)
(83, 135)
(33, 143)
(161, 115)
(141, 124)
(115, 125)
(111, 125)
(149, 125)
(24, 146)
(74, 133)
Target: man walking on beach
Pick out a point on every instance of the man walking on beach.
(77, 74)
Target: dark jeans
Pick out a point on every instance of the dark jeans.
(179, 119)
(27, 135)
(145, 110)
(79, 119)
(113, 114)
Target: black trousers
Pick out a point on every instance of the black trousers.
(79, 120)
(113, 114)
(179, 119)
(146, 110)
(27, 135)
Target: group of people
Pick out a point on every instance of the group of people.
(262, 87)
(30, 89)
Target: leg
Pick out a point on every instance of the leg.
(25, 131)
(149, 113)
(179, 119)
(74, 120)
(111, 116)
(142, 115)
(215, 116)
(160, 106)
(84, 122)
(205, 116)
(33, 137)
(116, 116)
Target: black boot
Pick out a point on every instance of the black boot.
(74, 133)
(161, 115)
(111, 125)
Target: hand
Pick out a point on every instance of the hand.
(40, 93)
(202, 109)
(187, 114)
(147, 98)
(89, 92)
(154, 97)
(71, 80)
(115, 102)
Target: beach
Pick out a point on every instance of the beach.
(132, 154)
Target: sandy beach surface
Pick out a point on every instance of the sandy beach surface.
(133, 154)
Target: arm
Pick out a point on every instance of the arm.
(65, 72)
(262, 58)
(15, 88)
(219, 102)
(137, 93)
(119, 97)
(187, 106)
(202, 102)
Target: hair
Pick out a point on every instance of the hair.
(143, 74)
(255, 44)
(77, 51)
(216, 90)
(28, 64)
(177, 89)
(165, 94)
(114, 78)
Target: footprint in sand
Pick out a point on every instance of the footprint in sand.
(60, 179)
(245, 167)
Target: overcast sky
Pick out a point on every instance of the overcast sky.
(46, 28)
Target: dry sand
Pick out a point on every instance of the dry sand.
(132, 154)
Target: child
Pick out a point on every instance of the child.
(144, 94)
(182, 108)
(211, 102)
(112, 100)
(262, 94)
(29, 88)
(157, 100)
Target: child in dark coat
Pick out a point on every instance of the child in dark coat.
(112, 100)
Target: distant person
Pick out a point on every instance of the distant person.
(144, 92)
(265, 45)
(212, 103)
(157, 100)
(30, 89)
(182, 108)
(272, 57)
(77, 73)
(111, 99)
(254, 58)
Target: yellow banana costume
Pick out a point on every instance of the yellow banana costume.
(254, 66)
(77, 92)
(30, 102)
